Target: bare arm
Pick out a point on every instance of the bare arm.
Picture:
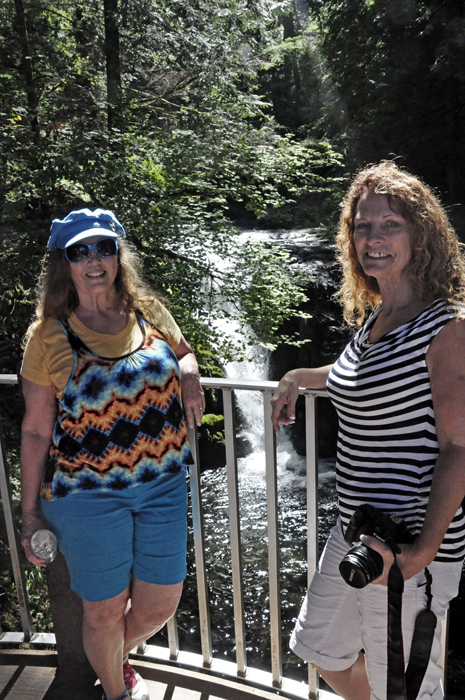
(193, 398)
(36, 435)
(285, 396)
(446, 366)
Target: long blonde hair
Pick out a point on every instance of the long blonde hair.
(437, 267)
(57, 296)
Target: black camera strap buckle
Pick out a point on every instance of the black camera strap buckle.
(401, 684)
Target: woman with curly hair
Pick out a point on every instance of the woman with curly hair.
(106, 375)
(399, 390)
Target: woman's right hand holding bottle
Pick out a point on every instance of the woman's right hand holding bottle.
(32, 522)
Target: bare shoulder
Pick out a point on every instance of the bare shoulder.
(447, 349)
(446, 367)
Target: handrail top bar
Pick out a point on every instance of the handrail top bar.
(8, 379)
(252, 384)
(216, 383)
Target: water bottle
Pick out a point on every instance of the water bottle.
(44, 545)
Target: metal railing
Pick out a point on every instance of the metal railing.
(274, 679)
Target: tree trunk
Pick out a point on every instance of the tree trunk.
(110, 9)
(292, 73)
(31, 91)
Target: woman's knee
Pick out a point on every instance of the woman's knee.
(154, 604)
(105, 613)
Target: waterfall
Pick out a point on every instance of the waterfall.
(253, 512)
(256, 367)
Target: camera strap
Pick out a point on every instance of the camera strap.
(401, 684)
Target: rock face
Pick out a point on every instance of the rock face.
(314, 252)
(325, 335)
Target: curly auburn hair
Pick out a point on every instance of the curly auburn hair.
(57, 296)
(437, 267)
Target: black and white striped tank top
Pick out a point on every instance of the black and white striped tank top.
(387, 442)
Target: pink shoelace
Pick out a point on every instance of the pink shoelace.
(129, 676)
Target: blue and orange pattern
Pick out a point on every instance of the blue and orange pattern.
(120, 421)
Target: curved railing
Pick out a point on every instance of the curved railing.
(243, 667)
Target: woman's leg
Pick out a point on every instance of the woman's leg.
(103, 632)
(151, 606)
(111, 628)
(160, 534)
(350, 684)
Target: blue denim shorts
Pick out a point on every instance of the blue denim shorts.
(108, 538)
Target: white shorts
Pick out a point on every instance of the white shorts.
(337, 621)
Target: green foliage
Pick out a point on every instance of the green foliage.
(195, 142)
(393, 75)
(213, 428)
(37, 594)
(270, 296)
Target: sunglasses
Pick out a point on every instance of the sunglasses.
(105, 248)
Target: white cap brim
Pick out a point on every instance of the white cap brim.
(91, 233)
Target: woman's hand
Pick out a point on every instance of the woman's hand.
(284, 400)
(409, 561)
(193, 398)
(31, 523)
(287, 392)
(386, 553)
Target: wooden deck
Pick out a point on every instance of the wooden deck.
(32, 675)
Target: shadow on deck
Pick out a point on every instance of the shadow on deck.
(32, 675)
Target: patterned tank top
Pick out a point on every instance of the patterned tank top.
(120, 421)
(387, 440)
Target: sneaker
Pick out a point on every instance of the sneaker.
(104, 697)
(136, 685)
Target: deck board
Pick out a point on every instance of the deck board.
(185, 694)
(32, 684)
(6, 674)
(28, 675)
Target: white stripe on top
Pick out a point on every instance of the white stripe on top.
(387, 442)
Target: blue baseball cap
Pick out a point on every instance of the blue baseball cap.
(82, 224)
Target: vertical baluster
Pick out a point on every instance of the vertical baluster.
(235, 533)
(312, 510)
(273, 544)
(173, 639)
(14, 544)
(444, 646)
(197, 521)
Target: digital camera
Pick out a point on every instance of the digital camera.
(362, 565)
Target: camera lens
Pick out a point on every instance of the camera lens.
(361, 565)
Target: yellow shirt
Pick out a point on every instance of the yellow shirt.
(48, 357)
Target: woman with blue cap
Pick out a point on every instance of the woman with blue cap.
(106, 375)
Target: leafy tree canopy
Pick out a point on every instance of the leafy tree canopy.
(393, 79)
(156, 111)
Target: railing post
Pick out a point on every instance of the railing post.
(173, 638)
(312, 511)
(198, 527)
(14, 544)
(67, 618)
(273, 543)
(235, 531)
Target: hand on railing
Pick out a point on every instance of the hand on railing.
(293, 382)
(193, 399)
(31, 523)
(284, 400)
